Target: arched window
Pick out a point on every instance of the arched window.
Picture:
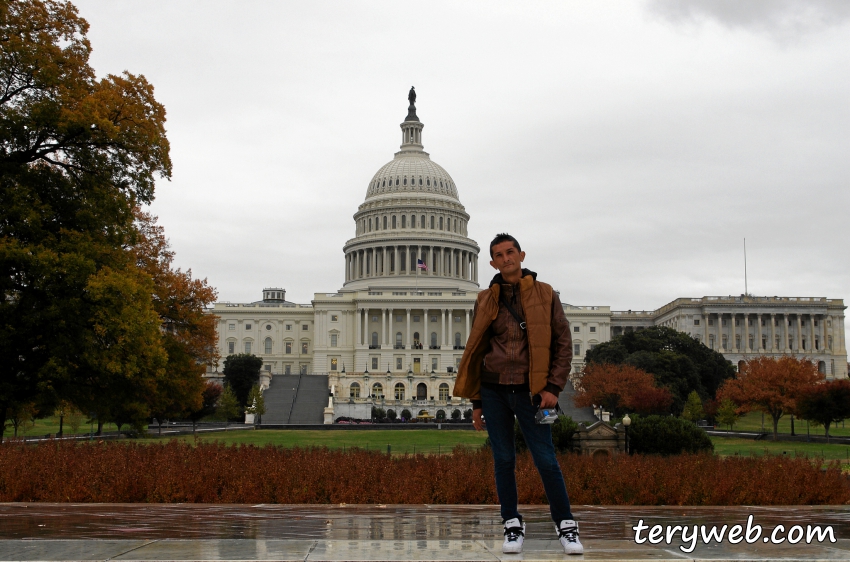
(396, 181)
(415, 337)
(432, 222)
(374, 340)
(393, 221)
(455, 229)
(267, 346)
(354, 390)
(433, 340)
(404, 221)
(422, 391)
(444, 391)
(422, 221)
(385, 223)
(412, 221)
(420, 180)
(457, 340)
(822, 367)
(428, 182)
(378, 390)
(370, 225)
(399, 391)
(405, 180)
(441, 223)
(398, 344)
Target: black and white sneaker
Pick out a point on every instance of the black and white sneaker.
(514, 535)
(568, 535)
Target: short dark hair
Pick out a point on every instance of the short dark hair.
(504, 237)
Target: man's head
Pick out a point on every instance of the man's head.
(507, 257)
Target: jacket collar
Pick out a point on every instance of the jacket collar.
(497, 279)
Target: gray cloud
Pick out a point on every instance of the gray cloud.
(784, 20)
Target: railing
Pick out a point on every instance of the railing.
(398, 346)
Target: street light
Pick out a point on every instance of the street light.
(627, 421)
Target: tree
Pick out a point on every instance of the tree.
(241, 372)
(825, 403)
(456, 415)
(256, 403)
(210, 398)
(648, 401)
(617, 388)
(693, 410)
(406, 415)
(76, 155)
(391, 415)
(678, 362)
(771, 385)
(228, 405)
(666, 435)
(727, 413)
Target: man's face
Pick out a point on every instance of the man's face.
(507, 259)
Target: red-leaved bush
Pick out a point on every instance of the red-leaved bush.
(215, 473)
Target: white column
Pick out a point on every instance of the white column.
(747, 336)
(426, 337)
(409, 335)
(383, 327)
(430, 260)
(773, 331)
(704, 328)
(397, 270)
(466, 336)
(443, 327)
(357, 328)
(799, 337)
(720, 332)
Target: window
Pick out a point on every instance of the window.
(385, 223)
(334, 362)
(576, 349)
(724, 343)
(576, 329)
(457, 318)
(444, 392)
(711, 341)
(354, 390)
(267, 346)
(398, 366)
(334, 318)
(416, 319)
(696, 321)
(434, 318)
(334, 340)
(404, 221)
(247, 326)
(764, 343)
(457, 339)
(289, 327)
(247, 348)
(829, 342)
(422, 221)
(432, 221)
(593, 345)
(412, 221)
(737, 322)
(593, 329)
(303, 368)
(398, 344)
(231, 326)
(441, 223)
(711, 322)
(777, 342)
(399, 391)
(374, 319)
(287, 369)
(378, 389)
(433, 340)
(374, 363)
(268, 327)
(398, 318)
(434, 364)
(304, 348)
(751, 340)
(790, 343)
(288, 347)
(416, 337)
(374, 340)
(231, 347)
(304, 327)
(393, 221)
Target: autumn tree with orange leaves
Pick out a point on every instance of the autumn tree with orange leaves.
(620, 389)
(771, 385)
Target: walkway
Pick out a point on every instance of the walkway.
(53, 532)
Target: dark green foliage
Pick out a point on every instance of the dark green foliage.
(826, 403)
(666, 435)
(391, 415)
(679, 362)
(406, 414)
(378, 413)
(241, 372)
(455, 414)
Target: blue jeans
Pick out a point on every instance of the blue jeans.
(499, 408)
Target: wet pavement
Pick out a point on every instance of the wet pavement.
(394, 532)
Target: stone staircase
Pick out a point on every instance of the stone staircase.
(296, 399)
(565, 400)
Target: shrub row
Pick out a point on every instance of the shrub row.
(215, 473)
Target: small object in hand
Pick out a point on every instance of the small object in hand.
(544, 415)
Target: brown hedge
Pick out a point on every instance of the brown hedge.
(215, 473)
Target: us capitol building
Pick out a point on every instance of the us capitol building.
(393, 335)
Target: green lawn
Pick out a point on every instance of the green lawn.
(51, 425)
(429, 441)
(752, 422)
(725, 447)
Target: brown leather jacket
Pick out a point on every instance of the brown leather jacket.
(548, 332)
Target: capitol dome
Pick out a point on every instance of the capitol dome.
(411, 230)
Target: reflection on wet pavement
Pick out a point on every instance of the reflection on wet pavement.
(369, 522)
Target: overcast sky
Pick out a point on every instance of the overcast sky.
(631, 147)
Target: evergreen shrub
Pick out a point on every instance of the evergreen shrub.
(666, 435)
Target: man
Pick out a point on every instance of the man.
(519, 348)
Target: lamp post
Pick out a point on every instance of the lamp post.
(627, 421)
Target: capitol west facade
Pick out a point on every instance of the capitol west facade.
(393, 335)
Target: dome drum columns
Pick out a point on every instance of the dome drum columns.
(401, 260)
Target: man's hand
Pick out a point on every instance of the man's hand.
(478, 419)
(547, 400)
